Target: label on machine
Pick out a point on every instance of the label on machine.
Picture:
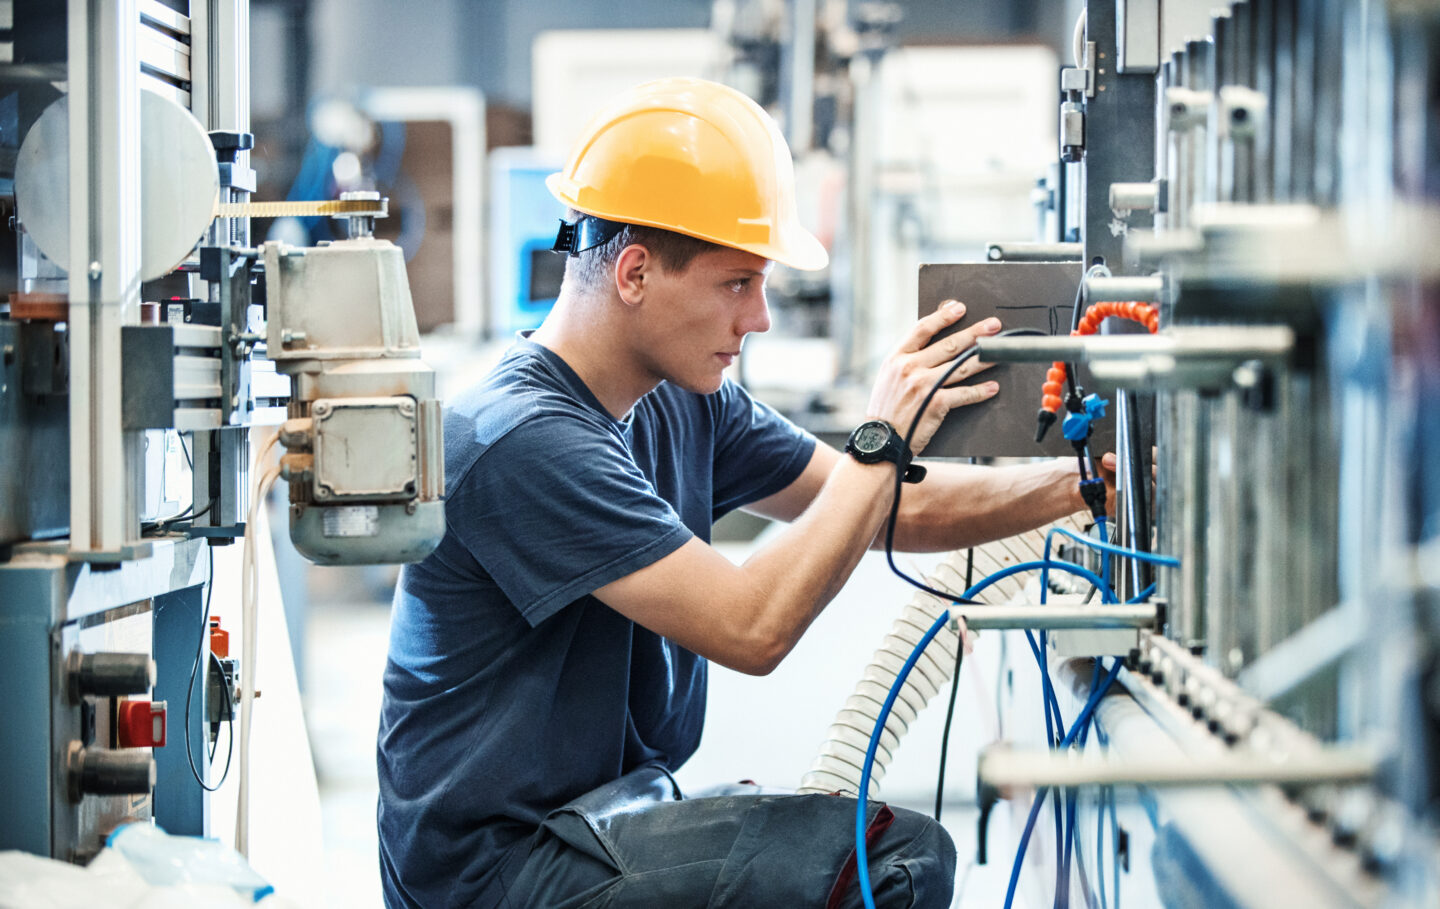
(351, 521)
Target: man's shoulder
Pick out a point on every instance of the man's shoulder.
(520, 400)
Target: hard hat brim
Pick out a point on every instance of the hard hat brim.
(796, 246)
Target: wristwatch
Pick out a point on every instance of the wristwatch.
(875, 440)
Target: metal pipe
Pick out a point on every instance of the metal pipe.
(1123, 289)
(1136, 615)
(1008, 767)
(1034, 252)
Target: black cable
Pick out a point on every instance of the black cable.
(229, 714)
(968, 354)
(190, 689)
(949, 715)
(954, 685)
(163, 525)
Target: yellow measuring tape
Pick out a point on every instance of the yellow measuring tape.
(328, 208)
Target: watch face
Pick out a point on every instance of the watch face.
(871, 437)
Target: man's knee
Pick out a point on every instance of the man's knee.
(916, 859)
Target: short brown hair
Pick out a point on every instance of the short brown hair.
(592, 268)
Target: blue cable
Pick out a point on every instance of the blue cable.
(1127, 552)
(861, 858)
(1106, 594)
(1084, 717)
(1071, 805)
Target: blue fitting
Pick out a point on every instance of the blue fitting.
(1095, 406)
(1076, 427)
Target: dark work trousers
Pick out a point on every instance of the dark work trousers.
(636, 843)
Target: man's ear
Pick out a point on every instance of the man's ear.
(632, 268)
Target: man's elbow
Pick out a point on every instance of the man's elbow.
(759, 656)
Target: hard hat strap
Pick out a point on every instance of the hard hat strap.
(586, 232)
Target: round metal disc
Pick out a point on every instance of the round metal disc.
(179, 183)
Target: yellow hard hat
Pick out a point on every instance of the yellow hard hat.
(694, 157)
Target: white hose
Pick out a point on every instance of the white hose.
(837, 768)
(249, 609)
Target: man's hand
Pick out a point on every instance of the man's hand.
(916, 365)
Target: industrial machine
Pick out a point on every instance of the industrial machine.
(1246, 205)
(144, 340)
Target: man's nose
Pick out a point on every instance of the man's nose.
(756, 317)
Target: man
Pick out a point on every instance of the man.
(547, 662)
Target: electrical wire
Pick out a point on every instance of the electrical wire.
(1083, 718)
(1125, 551)
(190, 689)
(954, 688)
(969, 353)
(949, 715)
(229, 718)
(863, 796)
(862, 863)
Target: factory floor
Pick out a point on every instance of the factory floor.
(345, 655)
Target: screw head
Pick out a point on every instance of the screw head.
(95, 271)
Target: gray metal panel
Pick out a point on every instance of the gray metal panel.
(1023, 295)
(148, 376)
(28, 597)
(34, 436)
(180, 804)
(1120, 124)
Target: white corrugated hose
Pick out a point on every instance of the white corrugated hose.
(838, 766)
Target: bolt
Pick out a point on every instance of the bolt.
(321, 409)
(322, 493)
(1239, 115)
(1177, 110)
(1236, 658)
(95, 271)
(407, 407)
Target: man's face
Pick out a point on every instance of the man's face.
(697, 320)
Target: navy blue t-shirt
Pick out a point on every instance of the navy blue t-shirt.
(510, 690)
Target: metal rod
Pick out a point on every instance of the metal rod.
(1004, 766)
(1033, 252)
(1145, 288)
(1137, 615)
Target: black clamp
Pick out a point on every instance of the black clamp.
(586, 232)
(228, 146)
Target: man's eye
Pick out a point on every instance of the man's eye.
(739, 285)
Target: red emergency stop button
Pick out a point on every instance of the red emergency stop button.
(142, 724)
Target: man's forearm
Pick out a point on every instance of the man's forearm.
(804, 567)
(960, 505)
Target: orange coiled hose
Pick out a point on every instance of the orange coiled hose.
(1147, 314)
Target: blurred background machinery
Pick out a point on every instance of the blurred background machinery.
(1264, 174)
(141, 335)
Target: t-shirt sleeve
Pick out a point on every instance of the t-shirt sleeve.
(557, 508)
(758, 452)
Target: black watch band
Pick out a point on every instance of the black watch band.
(875, 440)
